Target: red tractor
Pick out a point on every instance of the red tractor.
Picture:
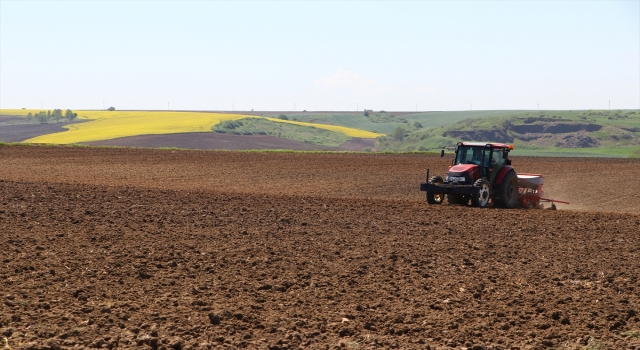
(482, 173)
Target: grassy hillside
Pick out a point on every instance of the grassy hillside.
(562, 133)
(383, 123)
(386, 122)
(263, 126)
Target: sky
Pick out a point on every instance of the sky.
(320, 55)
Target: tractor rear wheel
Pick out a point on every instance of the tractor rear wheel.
(481, 198)
(435, 198)
(507, 191)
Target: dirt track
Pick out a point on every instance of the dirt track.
(143, 248)
(218, 141)
(21, 132)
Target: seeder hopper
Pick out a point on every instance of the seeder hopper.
(530, 194)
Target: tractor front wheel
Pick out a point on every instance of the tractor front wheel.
(435, 198)
(481, 198)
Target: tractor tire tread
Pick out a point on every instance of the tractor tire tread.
(431, 198)
(475, 198)
(507, 191)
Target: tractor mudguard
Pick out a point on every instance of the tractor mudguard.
(505, 169)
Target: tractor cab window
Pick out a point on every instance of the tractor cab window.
(497, 163)
(473, 155)
(487, 157)
(496, 159)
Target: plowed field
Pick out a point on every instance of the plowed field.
(218, 141)
(118, 248)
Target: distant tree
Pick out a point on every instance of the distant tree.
(417, 125)
(366, 113)
(398, 134)
(56, 115)
(283, 117)
(29, 117)
(111, 108)
(43, 117)
(70, 115)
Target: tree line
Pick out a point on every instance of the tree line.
(46, 117)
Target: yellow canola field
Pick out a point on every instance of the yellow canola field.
(22, 112)
(106, 125)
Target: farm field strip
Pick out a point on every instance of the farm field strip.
(352, 132)
(327, 175)
(106, 125)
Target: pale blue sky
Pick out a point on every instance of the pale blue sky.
(213, 55)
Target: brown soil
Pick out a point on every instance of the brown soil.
(356, 144)
(137, 248)
(8, 118)
(21, 132)
(210, 140)
(213, 140)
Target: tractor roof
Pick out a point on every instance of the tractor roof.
(482, 144)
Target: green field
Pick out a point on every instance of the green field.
(261, 126)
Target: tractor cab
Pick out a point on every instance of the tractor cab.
(474, 160)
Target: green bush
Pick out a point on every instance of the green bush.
(231, 124)
(398, 134)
